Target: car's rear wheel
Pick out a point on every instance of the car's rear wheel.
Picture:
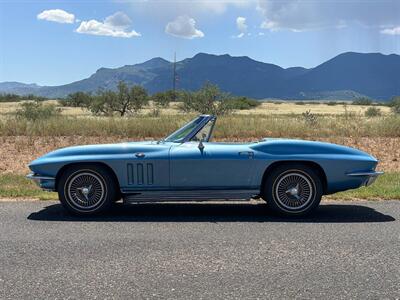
(86, 189)
(293, 189)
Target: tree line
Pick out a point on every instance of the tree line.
(126, 100)
(9, 97)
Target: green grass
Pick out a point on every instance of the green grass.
(387, 186)
(17, 186)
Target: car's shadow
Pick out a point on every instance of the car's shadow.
(212, 212)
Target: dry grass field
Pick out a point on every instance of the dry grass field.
(266, 108)
(23, 140)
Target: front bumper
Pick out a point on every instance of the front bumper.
(369, 176)
(44, 182)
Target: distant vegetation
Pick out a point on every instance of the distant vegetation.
(242, 103)
(160, 116)
(208, 100)
(395, 104)
(373, 112)
(36, 110)
(17, 98)
(163, 99)
(362, 101)
(330, 103)
(78, 99)
(130, 100)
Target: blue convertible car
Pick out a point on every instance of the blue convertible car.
(291, 175)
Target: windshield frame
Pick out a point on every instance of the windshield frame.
(204, 119)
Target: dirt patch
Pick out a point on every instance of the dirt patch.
(17, 151)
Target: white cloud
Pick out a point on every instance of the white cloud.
(184, 27)
(269, 25)
(115, 25)
(298, 15)
(56, 15)
(168, 9)
(391, 31)
(219, 6)
(241, 26)
(118, 20)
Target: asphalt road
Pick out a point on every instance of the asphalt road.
(191, 251)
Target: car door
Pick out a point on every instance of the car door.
(216, 166)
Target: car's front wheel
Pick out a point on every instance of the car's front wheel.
(86, 189)
(293, 189)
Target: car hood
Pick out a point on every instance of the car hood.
(119, 148)
(100, 149)
(299, 147)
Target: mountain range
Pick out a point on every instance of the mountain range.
(347, 76)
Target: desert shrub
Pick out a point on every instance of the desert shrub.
(34, 97)
(309, 118)
(101, 104)
(300, 103)
(208, 100)
(395, 104)
(373, 112)
(347, 114)
(78, 99)
(125, 101)
(242, 103)
(362, 101)
(162, 99)
(35, 110)
(331, 103)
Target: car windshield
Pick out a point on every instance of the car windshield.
(179, 135)
(205, 133)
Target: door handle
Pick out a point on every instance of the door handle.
(249, 154)
(140, 154)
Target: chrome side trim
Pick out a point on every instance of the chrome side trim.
(38, 177)
(371, 173)
(46, 183)
(371, 176)
(194, 195)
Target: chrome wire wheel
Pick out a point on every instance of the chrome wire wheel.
(85, 190)
(294, 190)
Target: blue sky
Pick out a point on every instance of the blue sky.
(57, 42)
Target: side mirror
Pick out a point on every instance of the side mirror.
(201, 145)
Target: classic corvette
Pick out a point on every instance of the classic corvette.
(290, 175)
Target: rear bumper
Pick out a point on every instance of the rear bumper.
(368, 177)
(44, 182)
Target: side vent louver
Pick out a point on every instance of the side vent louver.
(140, 174)
(130, 174)
(149, 173)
